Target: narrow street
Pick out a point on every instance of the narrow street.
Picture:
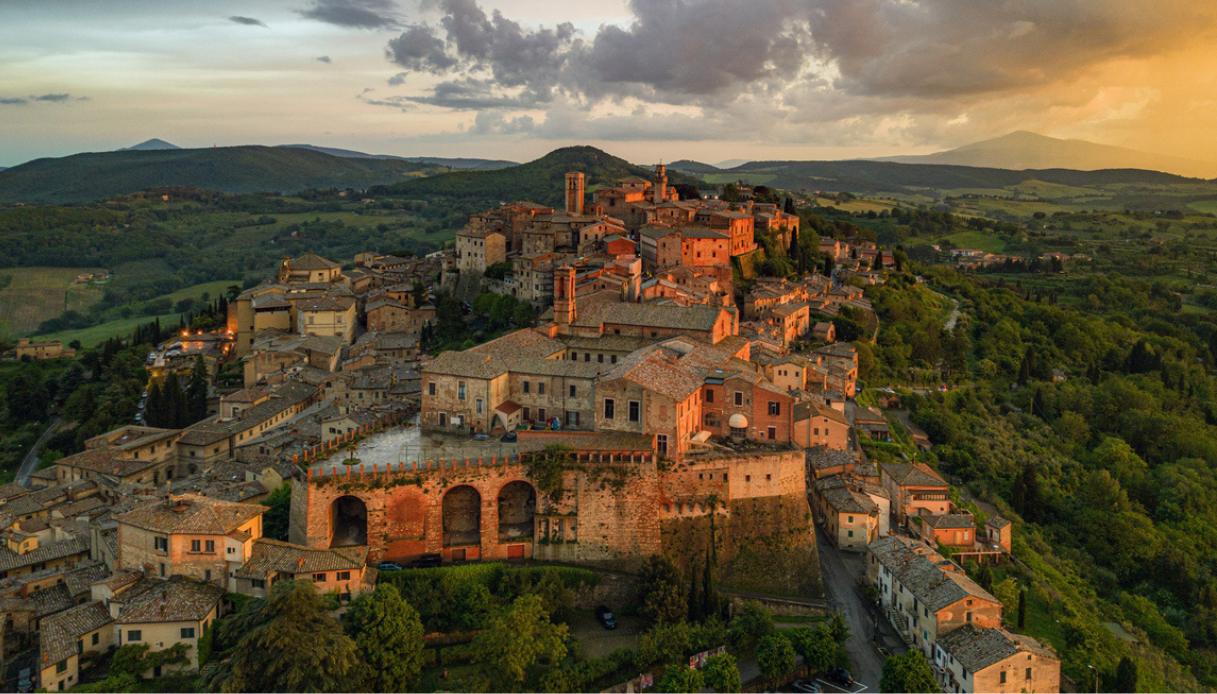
(30, 462)
(840, 572)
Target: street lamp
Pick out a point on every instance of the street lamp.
(1096, 676)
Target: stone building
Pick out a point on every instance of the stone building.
(987, 659)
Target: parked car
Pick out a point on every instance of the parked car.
(805, 686)
(388, 566)
(481, 436)
(510, 437)
(24, 681)
(605, 615)
(841, 676)
(427, 561)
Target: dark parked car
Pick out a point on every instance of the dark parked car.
(24, 681)
(841, 676)
(605, 615)
(388, 566)
(510, 437)
(427, 561)
(805, 686)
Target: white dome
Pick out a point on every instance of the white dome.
(738, 421)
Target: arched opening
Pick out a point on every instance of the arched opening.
(462, 514)
(517, 511)
(349, 522)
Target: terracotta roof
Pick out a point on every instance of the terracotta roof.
(50, 551)
(191, 513)
(105, 461)
(926, 573)
(949, 520)
(311, 261)
(174, 600)
(845, 500)
(976, 648)
(271, 556)
(697, 317)
(58, 633)
(821, 458)
(913, 475)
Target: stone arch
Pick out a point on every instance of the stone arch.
(462, 516)
(517, 504)
(348, 522)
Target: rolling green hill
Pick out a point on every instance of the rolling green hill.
(692, 166)
(875, 176)
(246, 169)
(541, 180)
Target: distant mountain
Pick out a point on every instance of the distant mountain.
(541, 180)
(862, 176)
(154, 144)
(691, 166)
(1027, 150)
(246, 169)
(450, 162)
(731, 163)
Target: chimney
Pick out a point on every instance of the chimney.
(574, 192)
(660, 192)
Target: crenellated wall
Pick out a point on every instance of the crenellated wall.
(603, 507)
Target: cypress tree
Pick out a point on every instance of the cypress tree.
(175, 401)
(1022, 607)
(196, 391)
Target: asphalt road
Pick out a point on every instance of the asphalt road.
(30, 462)
(840, 571)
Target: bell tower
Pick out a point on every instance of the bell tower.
(660, 192)
(574, 192)
(564, 297)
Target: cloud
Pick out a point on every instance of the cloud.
(418, 50)
(54, 98)
(324, 59)
(248, 21)
(357, 14)
(13, 101)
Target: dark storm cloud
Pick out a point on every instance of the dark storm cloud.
(324, 59)
(248, 21)
(358, 14)
(699, 51)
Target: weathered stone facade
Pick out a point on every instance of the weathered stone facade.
(608, 506)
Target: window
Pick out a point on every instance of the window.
(344, 575)
(188, 632)
(257, 583)
(661, 443)
(851, 533)
(613, 358)
(209, 546)
(587, 356)
(609, 406)
(969, 617)
(97, 638)
(773, 433)
(739, 398)
(479, 406)
(541, 414)
(541, 387)
(460, 390)
(573, 391)
(161, 544)
(849, 519)
(1028, 669)
(319, 578)
(207, 575)
(709, 396)
(162, 570)
(775, 408)
(600, 358)
(635, 411)
(572, 419)
(527, 386)
(62, 666)
(196, 546)
(134, 635)
(1002, 677)
(527, 414)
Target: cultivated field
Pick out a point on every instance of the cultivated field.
(30, 295)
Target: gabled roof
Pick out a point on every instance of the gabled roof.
(926, 573)
(913, 475)
(191, 513)
(173, 600)
(312, 261)
(59, 632)
(976, 648)
(271, 556)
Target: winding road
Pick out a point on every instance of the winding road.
(30, 462)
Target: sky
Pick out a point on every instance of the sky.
(647, 80)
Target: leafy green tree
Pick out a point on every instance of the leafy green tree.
(665, 600)
(750, 625)
(517, 639)
(679, 677)
(389, 635)
(816, 646)
(310, 650)
(1126, 675)
(275, 522)
(721, 673)
(776, 658)
(196, 391)
(908, 672)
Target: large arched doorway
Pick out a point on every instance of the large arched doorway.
(349, 522)
(462, 515)
(517, 511)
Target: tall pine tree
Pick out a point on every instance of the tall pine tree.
(196, 391)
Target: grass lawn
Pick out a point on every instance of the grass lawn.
(1209, 206)
(97, 334)
(30, 295)
(977, 239)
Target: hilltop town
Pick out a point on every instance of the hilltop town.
(642, 391)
